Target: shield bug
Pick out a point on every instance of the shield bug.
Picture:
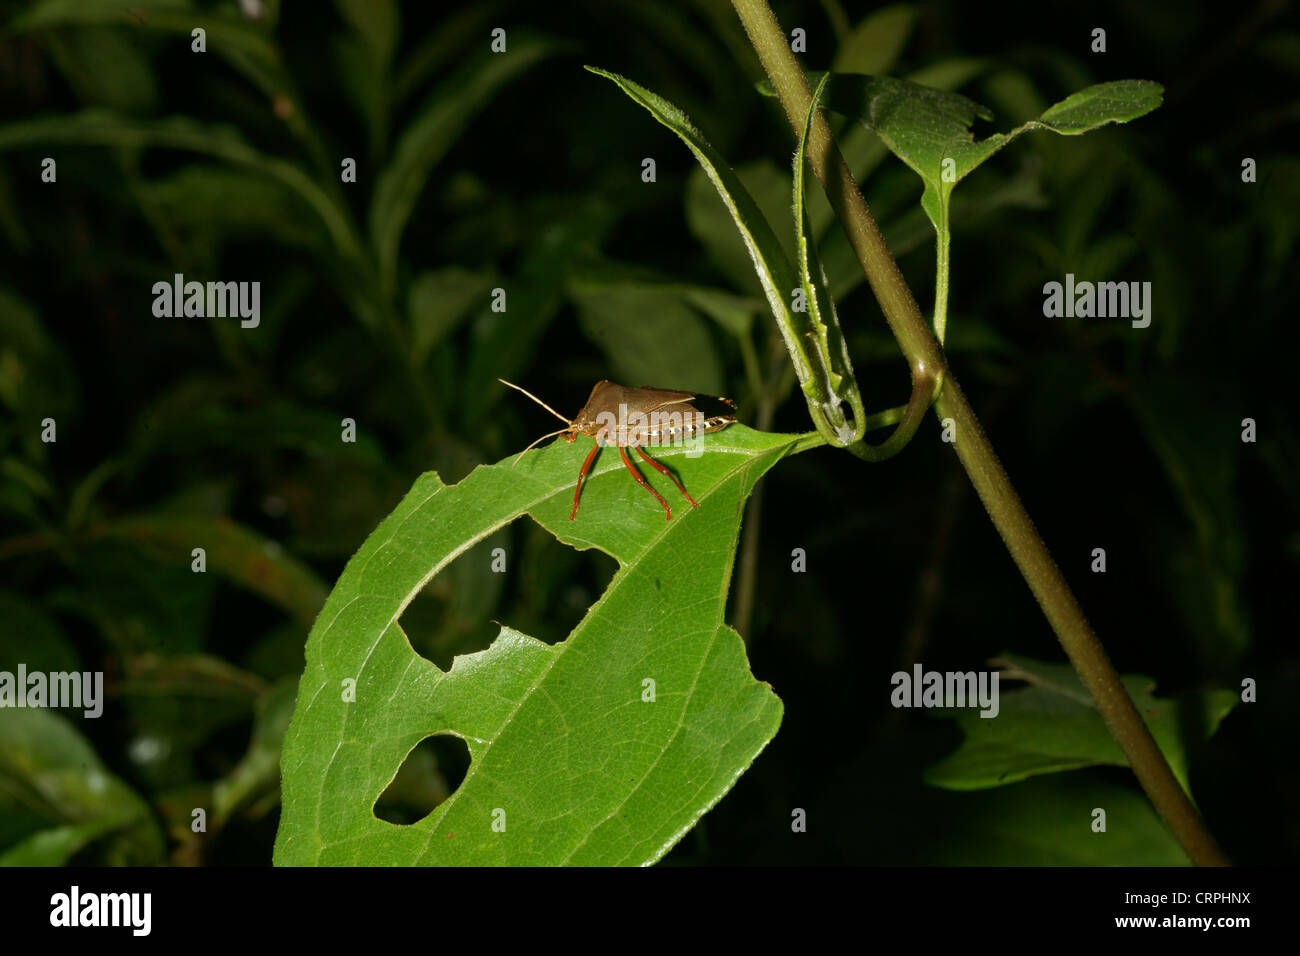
(633, 418)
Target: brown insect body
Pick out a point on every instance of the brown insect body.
(669, 406)
(632, 417)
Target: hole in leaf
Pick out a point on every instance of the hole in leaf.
(520, 576)
(430, 774)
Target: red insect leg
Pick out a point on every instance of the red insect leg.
(577, 490)
(644, 484)
(666, 473)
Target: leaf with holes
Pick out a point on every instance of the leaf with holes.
(603, 749)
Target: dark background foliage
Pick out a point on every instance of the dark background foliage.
(172, 430)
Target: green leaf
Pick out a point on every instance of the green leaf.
(378, 22)
(104, 128)
(710, 219)
(733, 313)
(560, 739)
(247, 46)
(57, 845)
(31, 637)
(1116, 102)
(1053, 725)
(930, 131)
(24, 491)
(433, 131)
(365, 59)
(224, 32)
(36, 378)
(876, 42)
(649, 335)
(259, 770)
(1038, 822)
(457, 30)
(245, 557)
(439, 301)
(503, 343)
(770, 262)
(864, 151)
(56, 796)
(924, 127)
(1194, 429)
(135, 602)
(175, 706)
(224, 202)
(209, 420)
(840, 384)
(105, 68)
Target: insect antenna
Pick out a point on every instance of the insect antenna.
(539, 402)
(542, 439)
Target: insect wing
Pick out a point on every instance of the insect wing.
(693, 416)
(648, 416)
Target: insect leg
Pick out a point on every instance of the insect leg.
(577, 490)
(664, 471)
(668, 513)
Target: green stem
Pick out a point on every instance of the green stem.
(890, 416)
(923, 392)
(770, 390)
(941, 274)
(753, 377)
(808, 441)
(976, 454)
